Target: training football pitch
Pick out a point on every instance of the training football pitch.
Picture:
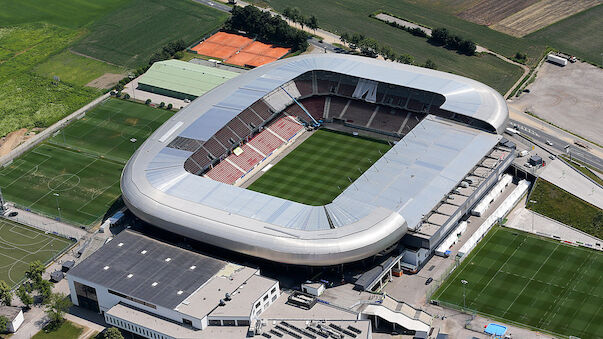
(533, 281)
(320, 168)
(20, 245)
(78, 169)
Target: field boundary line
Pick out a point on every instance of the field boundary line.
(46, 133)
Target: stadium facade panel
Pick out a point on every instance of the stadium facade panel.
(164, 185)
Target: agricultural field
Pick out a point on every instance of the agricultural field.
(539, 283)
(579, 35)
(490, 12)
(76, 69)
(541, 14)
(317, 171)
(27, 99)
(21, 245)
(562, 206)
(80, 167)
(129, 37)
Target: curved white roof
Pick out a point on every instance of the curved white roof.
(370, 215)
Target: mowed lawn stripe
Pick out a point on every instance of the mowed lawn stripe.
(319, 169)
(543, 283)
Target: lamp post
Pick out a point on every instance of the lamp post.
(533, 202)
(56, 195)
(464, 282)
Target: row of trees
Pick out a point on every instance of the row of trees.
(168, 51)
(416, 31)
(441, 36)
(266, 27)
(294, 14)
(371, 48)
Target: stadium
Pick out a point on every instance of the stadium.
(441, 150)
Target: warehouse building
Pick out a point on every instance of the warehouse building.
(157, 290)
(182, 80)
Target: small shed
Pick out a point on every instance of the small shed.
(535, 160)
(314, 289)
(67, 265)
(14, 316)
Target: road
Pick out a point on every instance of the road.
(558, 145)
(215, 4)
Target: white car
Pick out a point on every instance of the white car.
(549, 143)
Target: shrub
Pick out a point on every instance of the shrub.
(126, 96)
(467, 47)
(162, 105)
(169, 106)
(440, 35)
(148, 102)
(430, 64)
(179, 55)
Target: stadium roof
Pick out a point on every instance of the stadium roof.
(148, 269)
(185, 77)
(371, 214)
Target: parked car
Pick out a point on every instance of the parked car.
(428, 281)
(548, 142)
(13, 214)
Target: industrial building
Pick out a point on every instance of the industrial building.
(182, 80)
(448, 155)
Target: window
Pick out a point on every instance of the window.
(242, 322)
(273, 290)
(187, 322)
(121, 295)
(257, 305)
(265, 297)
(215, 323)
(273, 298)
(228, 322)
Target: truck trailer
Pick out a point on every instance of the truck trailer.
(556, 60)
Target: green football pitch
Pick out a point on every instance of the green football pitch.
(20, 245)
(320, 168)
(533, 281)
(78, 169)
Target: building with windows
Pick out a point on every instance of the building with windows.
(161, 291)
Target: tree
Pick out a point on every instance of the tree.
(388, 53)
(45, 289)
(430, 64)
(439, 35)
(34, 272)
(56, 307)
(169, 106)
(5, 293)
(147, 102)
(312, 23)
(3, 324)
(345, 37)
(25, 297)
(467, 47)
(406, 59)
(355, 40)
(453, 42)
(162, 105)
(113, 333)
(126, 96)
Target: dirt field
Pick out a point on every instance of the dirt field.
(14, 139)
(569, 97)
(540, 15)
(489, 12)
(106, 80)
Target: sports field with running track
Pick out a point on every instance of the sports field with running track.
(78, 169)
(532, 281)
(320, 168)
(20, 245)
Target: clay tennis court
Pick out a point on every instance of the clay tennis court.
(239, 50)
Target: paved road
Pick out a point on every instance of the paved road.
(216, 5)
(558, 145)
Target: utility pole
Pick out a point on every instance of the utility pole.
(533, 213)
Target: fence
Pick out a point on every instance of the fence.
(54, 218)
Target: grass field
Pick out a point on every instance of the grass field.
(27, 99)
(20, 245)
(533, 281)
(344, 16)
(317, 171)
(132, 34)
(65, 13)
(560, 205)
(579, 35)
(75, 69)
(67, 330)
(83, 165)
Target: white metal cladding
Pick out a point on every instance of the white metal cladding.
(370, 215)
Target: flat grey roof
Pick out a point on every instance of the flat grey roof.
(111, 265)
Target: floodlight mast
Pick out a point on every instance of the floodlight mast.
(301, 106)
(1, 202)
(464, 282)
